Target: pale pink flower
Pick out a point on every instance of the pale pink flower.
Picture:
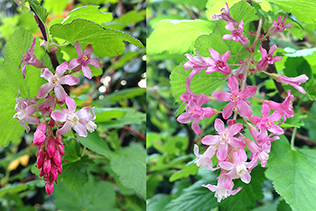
(30, 59)
(224, 187)
(295, 82)
(237, 34)
(39, 135)
(88, 122)
(285, 109)
(238, 168)
(195, 63)
(257, 153)
(237, 98)
(266, 121)
(225, 15)
(279, 25)
(217, 62)
(225, 138)
(267, 58)
(71, 118)
(55, 82)
(205, 160)
(83, 60)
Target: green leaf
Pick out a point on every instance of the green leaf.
(296, 121)
(202, 83)
(299, 53)
(310, 88)
(304, 10)
(56, 7)
(129, 163)
(108, 114)
(176, 36)
(189, 169)
(105, 41)
(75, 174)
(199, 4)
(283, 206)
(286, 165)
(295, 66)
(90, 12)
(158, 202)
(18, 187)
(96, 144)
(129, 18)
(39, 10)
(12, 80)
(89, 197)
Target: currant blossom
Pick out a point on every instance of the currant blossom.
(295, 82)
(217, 62)
(237, 168)
(257, 154)
(205, 160)
(236, 33)
(195, 63)
(88, 122)
(237, 98)
(24, 113)
(39, 135)
(267, 58)
(55, 82)
(279, 25)
(225, 15)
(261, 137)
(224, 139)
(266, 121)
(224, 187)
(83, 60)
(71, 118)
(190, 98)
(30, 59)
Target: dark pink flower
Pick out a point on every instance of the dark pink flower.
(267, 58)
(225, 138)
(279, 25)
(190, 98)
(237, 98)
(30, 59)
(237, 34)
(55, 82)
(295, 82)
(71, 118)
(217, 62)
(225, 15)
(224, 187)
(83, 60)
(285, 109)
(195, 63)
(39, 135)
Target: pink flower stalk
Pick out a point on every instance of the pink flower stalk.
(30, 59)
(295, 82)
(83, 60)
(71, 118)
(195, 113)
(279, 26)
(236, 33)
(225, 15)
(191, 98)
(39, 135)
(24, 113)
(224, 187)
(285, 109)
(55, 82)
(237, 168)
(224, 139)
(195, 63)
(267, 58)
(237, 98)
(205, 160)
(217, 62)
(266, 121)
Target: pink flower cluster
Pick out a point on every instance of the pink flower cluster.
(50, 145)
(229, 145)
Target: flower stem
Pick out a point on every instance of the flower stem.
(293, 138)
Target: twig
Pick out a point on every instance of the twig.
(189, 12)
(135, 132)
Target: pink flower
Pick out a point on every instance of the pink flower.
(279, 25)
(267, 58)
(285, 109)
(71, 118)
(238, 168)
(217, 63)
(30, 59)
(258, 154)
(266, 121)
(24, 113)
(88, 122)
(191, 98)
(295, 82)
(225, 15)
(236, 33)
(55, 82)
(195, 63)
(225, 138)
(39, 135)
(224, 187)
(83, 60)
(261, 137)
(237, 98)
(205, 160)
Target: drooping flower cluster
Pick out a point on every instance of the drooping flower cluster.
(229, 145)
(50, 144)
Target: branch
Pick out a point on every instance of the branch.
(135, 132)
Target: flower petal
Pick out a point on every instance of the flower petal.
(44, 90)
(81, 130)
(228, 110)
(65, 129)
(233, 84)
(78, 48)
(88, 50)
(68, 79)
(221, 96)
(94, 62)
(46, 73)
(210, 139)
(73, 63)
(59, 116)
(71, 104)
(87, 72)
(60, 93)
(61, 69)
(185, 118)
(196, 127)
(83, 113)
